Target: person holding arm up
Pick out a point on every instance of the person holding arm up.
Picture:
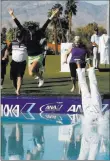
(32, 39)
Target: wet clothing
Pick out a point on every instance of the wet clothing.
(32, 41)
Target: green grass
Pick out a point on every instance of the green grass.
(56, 83)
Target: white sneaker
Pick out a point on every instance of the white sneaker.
(41, 82)
(37, 77)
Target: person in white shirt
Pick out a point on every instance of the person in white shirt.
(95, 43)
(18, 63)
(104, 48)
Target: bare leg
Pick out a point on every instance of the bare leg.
(19, 83)
(74, 84)
(32, 68)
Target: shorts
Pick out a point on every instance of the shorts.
(3, 68)
(73, 68)
(17, 69)
(38, 58)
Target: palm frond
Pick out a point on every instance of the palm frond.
(71, 6)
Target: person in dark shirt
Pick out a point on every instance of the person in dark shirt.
(4, 60)
(78, 51)
(15, 143)
(18, 63)
(32, 39)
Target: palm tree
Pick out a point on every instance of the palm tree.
(71, 9)
(54, 24)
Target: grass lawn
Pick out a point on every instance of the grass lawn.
(56, 83)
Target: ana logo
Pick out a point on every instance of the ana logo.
(51, 107)
(47, 116)
(52, 118)
(10, 110)
(75, 109)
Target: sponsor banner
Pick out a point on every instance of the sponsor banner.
(44, 118)
(64, 48)
(15, 107)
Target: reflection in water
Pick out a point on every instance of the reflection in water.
(63, 142)
(36, 151)
(15, 143)
(3, 142)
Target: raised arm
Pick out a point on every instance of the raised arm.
(11, 12)
(49, 20)
(6, 55)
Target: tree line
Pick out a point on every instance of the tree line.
(61, 27)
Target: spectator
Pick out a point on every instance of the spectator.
(95, 44)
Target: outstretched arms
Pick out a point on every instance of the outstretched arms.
(49, 20)
(11, 12)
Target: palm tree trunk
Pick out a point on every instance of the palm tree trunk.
(70, 25)
(55, 39)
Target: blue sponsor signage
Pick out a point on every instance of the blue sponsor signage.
(26, 108)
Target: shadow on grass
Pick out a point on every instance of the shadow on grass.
(47, 86)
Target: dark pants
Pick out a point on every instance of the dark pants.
(3, 68)
(17, 69)
(73, 68)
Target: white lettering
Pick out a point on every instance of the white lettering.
(104, 106)
(10, 110)
(75, 108)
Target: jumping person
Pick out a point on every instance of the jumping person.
(32, 39)
(95, 44)
(78, 51)
(4, 60)
(18, 63)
